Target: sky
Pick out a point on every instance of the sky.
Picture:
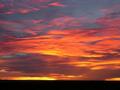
(60, 40)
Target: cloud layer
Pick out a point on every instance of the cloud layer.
(59, 40)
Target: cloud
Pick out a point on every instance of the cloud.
(56, 4)
(1, 5)
(63, 68)
(27, 7)
(36, 65)
(59, 46)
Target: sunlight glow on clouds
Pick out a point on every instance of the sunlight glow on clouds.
(59, 40)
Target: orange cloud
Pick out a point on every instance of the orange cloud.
(113, 79)
(62, 46)
(67, 43)
(66, 77)
(97, 65)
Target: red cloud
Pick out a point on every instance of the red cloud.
(57, 4)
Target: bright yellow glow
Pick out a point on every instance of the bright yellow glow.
(113, 79)
(51, 52)
(33, 78)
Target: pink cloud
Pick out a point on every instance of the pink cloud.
(2, 5)
(56, 4)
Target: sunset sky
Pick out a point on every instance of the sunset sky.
(60, 40)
